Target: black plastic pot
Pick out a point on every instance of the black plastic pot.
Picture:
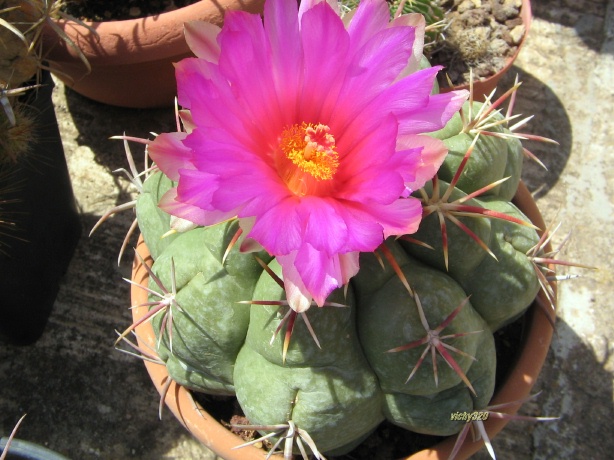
(36, 195)
(24, 450)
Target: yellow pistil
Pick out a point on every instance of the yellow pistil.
(311, 148)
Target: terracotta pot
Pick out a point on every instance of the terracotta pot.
(482, 88)
(212, 434)
(132, 60)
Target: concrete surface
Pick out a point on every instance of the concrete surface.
(88, 401)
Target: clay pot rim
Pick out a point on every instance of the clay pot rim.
(215, 436)
(489, 83)
(164, 38)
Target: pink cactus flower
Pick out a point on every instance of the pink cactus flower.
(307, 130)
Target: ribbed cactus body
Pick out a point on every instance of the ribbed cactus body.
(432, 414)
(153, 222)
(463, 253)
(494, 157)
(502, 288)
(341, 389)
(207, 327)
(389, 318)
(328, 390)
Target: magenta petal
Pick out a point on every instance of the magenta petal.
(297, 295)
(320, 272)
(308, 275)
(401, 218)
(196, 188)
(431, 157)
(349, 266)
(306, 5)
(434, 115)
(169, 204)
(169, 154)
(325, 46)
(321, 213)
(282, 30)
(201, 37)
(367, 149)
(215, 152)
(191, 75)
(370, 17)
(246, 51)
(415, 20)
(402, 99)
(364, 232)
(253, 192)
(375, 67)
(205, 91)
(383, 188)
(279, 230)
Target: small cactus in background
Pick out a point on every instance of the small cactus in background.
(431, 10)
(434, 16)
(404, 332)
(20, 25)
(21, 60)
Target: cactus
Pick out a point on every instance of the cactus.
(20, 25)
(408, 338)
(21, 61)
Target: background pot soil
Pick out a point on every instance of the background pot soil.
(114, 10)
(482, 35)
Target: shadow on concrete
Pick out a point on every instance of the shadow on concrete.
(575, 384)
(83, 398)
(550, 120)
(97, 122)
(587, 17)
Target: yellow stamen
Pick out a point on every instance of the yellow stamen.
(312, 149)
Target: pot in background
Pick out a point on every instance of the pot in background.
(131, 61)
(482, 88)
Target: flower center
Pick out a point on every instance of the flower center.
(311, 149)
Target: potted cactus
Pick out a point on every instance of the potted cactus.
(311, 251)
(39, 224)
(482, 42)
(475, 41)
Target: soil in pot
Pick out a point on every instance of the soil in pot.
(117, 10)
(482, 35)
